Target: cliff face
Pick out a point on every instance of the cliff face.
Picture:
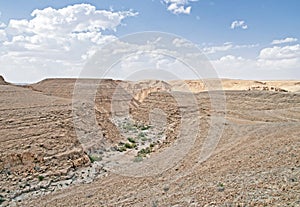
(2, 81)
(37, 139)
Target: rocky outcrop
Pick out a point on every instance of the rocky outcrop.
(38, 140)
(266, 88)
(2, 81)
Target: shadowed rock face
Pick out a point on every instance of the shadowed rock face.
(2, 81)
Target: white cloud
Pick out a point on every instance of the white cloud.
(77, 18)
(226, 47)
(282, 41)
(2, 25)
(59, 39)
(179, 9)
(280, 57)
(179, 42)
(3, 36)
(214, 49)
(239, 24)
(270, 61)
(276, 52)
(179, 6)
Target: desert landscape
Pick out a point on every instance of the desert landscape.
(43, 162)
(158, 103)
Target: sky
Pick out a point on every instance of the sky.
(257, 39)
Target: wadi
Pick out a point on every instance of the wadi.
(149, 143)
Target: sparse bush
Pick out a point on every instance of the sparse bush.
(41, 178)
(143, 152)
(1, 199)
(221, 187)
(130, 139)
(127, 145)
(130, 146)
(121, 149)
(94, 158)
(145, 127)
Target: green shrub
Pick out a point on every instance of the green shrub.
(94, 158)
(41, 178)
(130, 146)
(130, 139)
(1, 199)
(143, 152)
(221, 187)
(121, 149)
(145, 127)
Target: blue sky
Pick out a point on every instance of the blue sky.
(257, 39)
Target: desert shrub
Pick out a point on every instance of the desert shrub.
(145, 127)
(130, 146)
(1, 199)
(94, 158)
(41, 178)
(130, 139)
(143, 152)
(221, 187)
(121, 149)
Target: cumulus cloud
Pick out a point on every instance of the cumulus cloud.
(179, 6)
(280, 57)
(59, 39)
(286, 40)
(239, 24)
(283, 61)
